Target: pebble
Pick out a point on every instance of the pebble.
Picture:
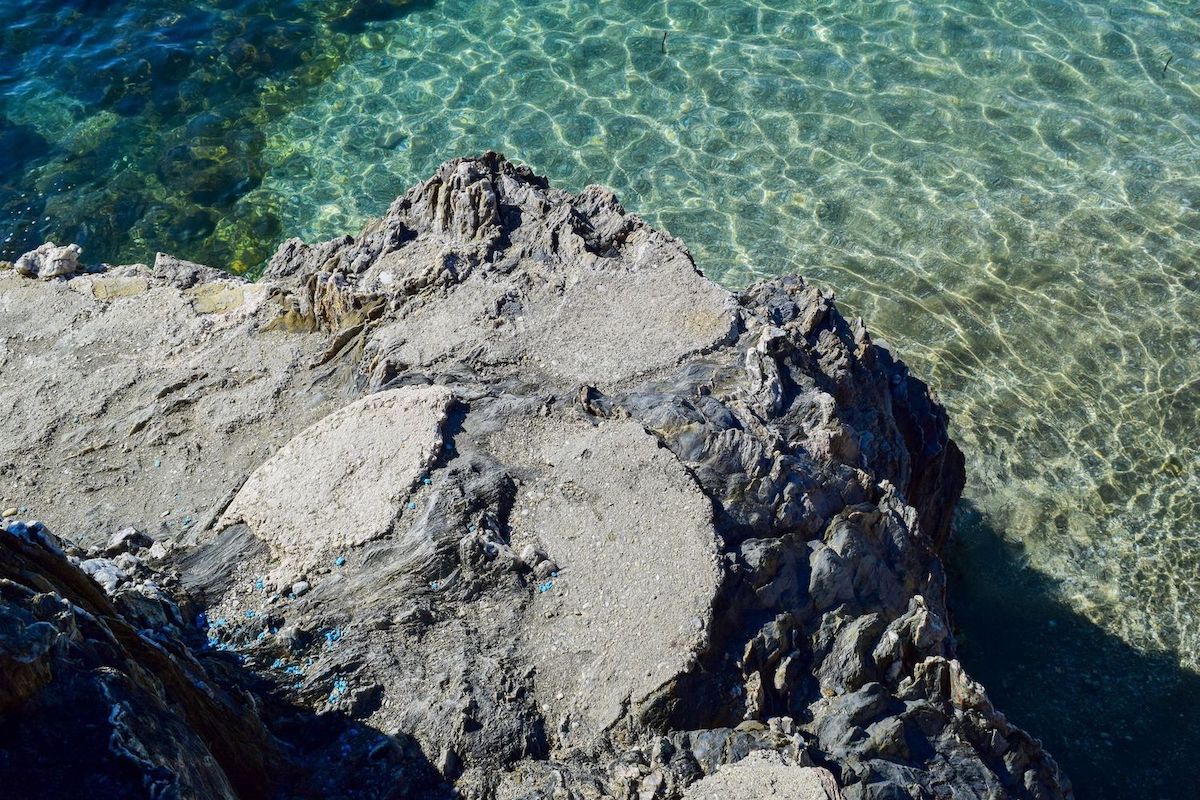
(532, 555)
(300, 588)
(160, 549)
(10, 512)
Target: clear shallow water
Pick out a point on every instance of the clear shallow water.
(1008, 191)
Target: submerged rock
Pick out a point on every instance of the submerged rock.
(508, 486)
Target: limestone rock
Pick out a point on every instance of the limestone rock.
(342, 482)
(637, 555)
(760, 777)
(49, 261)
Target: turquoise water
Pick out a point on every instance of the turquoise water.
(1008, 191)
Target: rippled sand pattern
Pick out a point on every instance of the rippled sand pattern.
(1008, 191)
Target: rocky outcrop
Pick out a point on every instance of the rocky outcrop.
(505, 485)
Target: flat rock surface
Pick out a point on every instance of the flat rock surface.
(633, 538)
(125, 404)
(758, 777)
(341, 482)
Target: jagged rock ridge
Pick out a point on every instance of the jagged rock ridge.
(604, 529)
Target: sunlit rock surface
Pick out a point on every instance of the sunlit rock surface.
(503, 498)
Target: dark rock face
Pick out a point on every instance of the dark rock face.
(598, 529)
(116, 696)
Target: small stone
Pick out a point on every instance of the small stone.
(448, 763)
(127, 561)
(159, 550)
(545, 569)
(10, 512)
(49, 261)
(300, 588)
(532, 555)
(105, 572)
(127, 540)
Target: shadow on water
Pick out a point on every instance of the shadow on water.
(1121, 723)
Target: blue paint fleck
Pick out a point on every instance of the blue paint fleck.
(545, 587)
(340, 561)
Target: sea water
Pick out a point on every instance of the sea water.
(1007, 190)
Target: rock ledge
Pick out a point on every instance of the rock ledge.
(500, 498)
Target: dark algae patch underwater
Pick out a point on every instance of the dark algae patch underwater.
(134, 127)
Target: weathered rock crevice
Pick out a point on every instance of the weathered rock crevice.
(500, 497)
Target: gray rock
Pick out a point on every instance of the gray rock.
(105, 572)
(160, 549)
(185, 274)
(127, 540)
(532, 555)
(746, 496)
(49, 261)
